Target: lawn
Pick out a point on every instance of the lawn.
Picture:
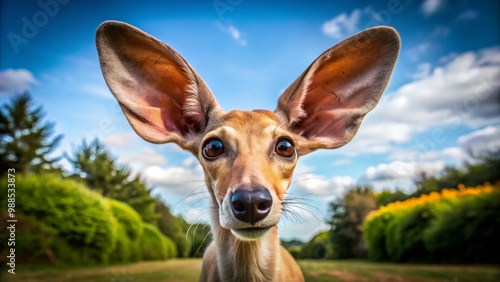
(188, 270)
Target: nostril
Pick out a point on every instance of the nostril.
(263, 206)
(251, 206)
(238, 206)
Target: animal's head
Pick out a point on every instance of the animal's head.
(248, 156)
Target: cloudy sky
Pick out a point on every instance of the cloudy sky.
(442, 101)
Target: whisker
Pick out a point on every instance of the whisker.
(203, 241)
(190, 194)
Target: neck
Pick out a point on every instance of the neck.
(239, 260)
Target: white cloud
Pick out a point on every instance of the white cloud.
(430, 7)
(16, 80)
(465, 89)
(196, 215)
(342, 25)
(181, 179)
(232, 31)
(146, 157)
(312, 184)
(376, 137)
(408, 164)
(481, 141)
(467, 15)
(476, 143)
(304, 227)
(119, 140)
(425, 153)
(423, 71)
(416, 52)
(401, 170)
(463, 92)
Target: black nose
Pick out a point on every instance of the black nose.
(251, 206)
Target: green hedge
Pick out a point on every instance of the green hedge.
(404, 234)
(466, 229)
(61, 220)
(129, 232)
(34, 240)
(374, 236)
(155, 246)
(79, 216)
(462, 229)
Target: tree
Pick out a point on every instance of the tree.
(316, 248)
(173, 227)
(26, 141)
(484, 168)
(385, 197)
(348, 214)
(98, 168)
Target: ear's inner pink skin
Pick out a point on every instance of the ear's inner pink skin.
(165, 100)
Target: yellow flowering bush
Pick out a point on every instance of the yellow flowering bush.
(454, 225)
(434, 196)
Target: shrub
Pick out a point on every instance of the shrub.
(155, 246)
(122, 252)
(316, 248)
(35, 241)
(171, 247)
(456, 225)
(128, 234)
(79, 217)
(465, 230)
(294, 251)
(403, 234)
(175, 228)
(374, 234)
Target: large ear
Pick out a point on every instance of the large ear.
(328, 102)
(162, 96)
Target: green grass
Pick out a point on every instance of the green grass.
(189, 270)
(353, 270)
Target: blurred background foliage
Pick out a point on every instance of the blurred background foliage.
(100, 213)
(96, 213)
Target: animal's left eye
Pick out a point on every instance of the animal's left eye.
(285, 148)
(212, 149)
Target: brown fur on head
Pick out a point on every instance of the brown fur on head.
(248, 156)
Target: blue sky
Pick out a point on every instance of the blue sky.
(442, 101)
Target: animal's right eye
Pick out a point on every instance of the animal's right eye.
(285, 148)
(212, 149)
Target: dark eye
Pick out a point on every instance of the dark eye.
(212, 149)
(285, 148)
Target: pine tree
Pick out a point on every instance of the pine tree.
(25, 139)
(98, 168)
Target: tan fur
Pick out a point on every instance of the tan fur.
(165, 100)
(252, 135)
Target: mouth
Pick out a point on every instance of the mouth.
(250, 234)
